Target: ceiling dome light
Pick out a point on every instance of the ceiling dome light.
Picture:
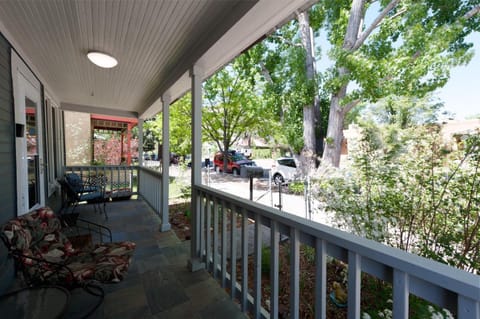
(102, 60)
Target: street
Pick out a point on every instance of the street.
(263, 192)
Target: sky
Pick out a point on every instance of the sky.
(461, 94)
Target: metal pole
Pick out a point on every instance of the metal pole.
(251, 188)
(270, 187)
(305, 195)
(308, 198)
(279, 196)
(208, 174)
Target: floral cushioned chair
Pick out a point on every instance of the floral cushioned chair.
(46, 256)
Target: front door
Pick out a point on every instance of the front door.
(29, 138)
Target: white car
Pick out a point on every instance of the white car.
(284, 169)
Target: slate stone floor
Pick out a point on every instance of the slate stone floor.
(158, 284)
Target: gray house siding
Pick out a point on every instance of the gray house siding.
(7, 158)
(7, 139)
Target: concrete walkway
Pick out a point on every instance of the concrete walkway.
(158, 284)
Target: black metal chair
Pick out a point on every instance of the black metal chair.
(41, 245)
(75, 190)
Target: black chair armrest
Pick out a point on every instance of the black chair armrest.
(42, 265)
(74, 225)
(103, 233)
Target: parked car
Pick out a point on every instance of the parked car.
(235, 160)
(283, 170)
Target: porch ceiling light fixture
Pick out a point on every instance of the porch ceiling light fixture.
(102, 60)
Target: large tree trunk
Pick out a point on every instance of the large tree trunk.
(336, 117)
(309, 154)
(333, 142)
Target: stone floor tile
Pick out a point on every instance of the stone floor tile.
(158, 283)
(124, 300)
(180, 311)
(163, 292)
(205, 293)
(222, 309)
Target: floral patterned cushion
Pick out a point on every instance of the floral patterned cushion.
(106, 262)
(38, 236)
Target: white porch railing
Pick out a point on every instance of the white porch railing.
(447, 287)
(150, 187)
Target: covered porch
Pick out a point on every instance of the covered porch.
(158, 283)
(164, 49)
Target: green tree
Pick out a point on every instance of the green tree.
(180, 116)
(408, 47)
(404, 111)
(180, 125)
(232, 105)
(287, 61)
(152, 134)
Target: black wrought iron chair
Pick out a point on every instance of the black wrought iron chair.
(45, 255)
(75, 191)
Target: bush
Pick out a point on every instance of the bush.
(406, 190)
(265, 260)
(262, 153)
(296, 188)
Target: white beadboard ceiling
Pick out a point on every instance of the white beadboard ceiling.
(155, 41)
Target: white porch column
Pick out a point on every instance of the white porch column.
(140, 142)
(165, 161)
(196, 177)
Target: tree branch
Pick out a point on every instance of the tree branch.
(350, 106)
(361, 39)
(472, 12)
(266, 73)
(285, 40)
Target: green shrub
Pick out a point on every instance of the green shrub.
(265, 260)
(297, 188)
(408, 192)
(262, 153)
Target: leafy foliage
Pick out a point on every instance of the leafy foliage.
(407, 49)
(107, 149)
(407, 189)
(232, 107)
(281, 62)
(152, 133)
(180, 125)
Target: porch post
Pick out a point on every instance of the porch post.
(129, 143)
(196, 177)
(165, 161)
(140, 142)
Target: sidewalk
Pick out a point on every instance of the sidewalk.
(293, 204)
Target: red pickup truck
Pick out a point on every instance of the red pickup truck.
(234, 161)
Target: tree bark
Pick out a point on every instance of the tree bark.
(309, 153)
(336, 116)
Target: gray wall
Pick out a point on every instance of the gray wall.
(7, 140)
(7, 158)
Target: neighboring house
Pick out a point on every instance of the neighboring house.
(82, 145)
(452, 131)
